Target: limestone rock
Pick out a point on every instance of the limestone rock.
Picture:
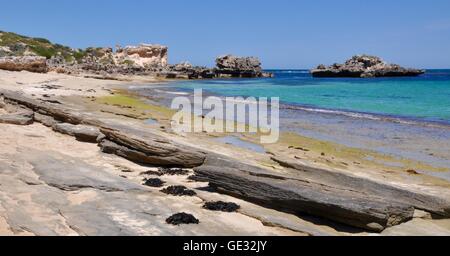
(334, 201)
(234, 66)
(17, 116)
(45, 120)
(420, 200)
(82, 133)
(230, 62)
(148, 148)
(24, 63)
(63, 174)
(144, 55)
(17, 119)
(364, 66)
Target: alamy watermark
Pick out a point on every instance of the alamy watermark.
(229, 115)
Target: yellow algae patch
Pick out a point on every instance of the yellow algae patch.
(134, 104)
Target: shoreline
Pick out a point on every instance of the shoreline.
(301, 123)
(426, 121)
(331, 111)
(121, 111)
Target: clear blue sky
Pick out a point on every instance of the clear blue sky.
(283, 33)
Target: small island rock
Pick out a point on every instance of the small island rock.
(364, 66)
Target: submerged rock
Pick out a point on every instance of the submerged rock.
(178, 191)
(182, 218)
(221, 206)
(364, 66)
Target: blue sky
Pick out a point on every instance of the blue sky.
(283, 33)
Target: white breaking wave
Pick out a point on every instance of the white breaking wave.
(172, 92)
(378, 117)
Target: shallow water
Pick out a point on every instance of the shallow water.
(235, 141)
(404, 117)
(151, 121)
(425, 98)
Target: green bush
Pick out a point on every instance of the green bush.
(43, 51)
(78, 55)
(41, 40)
(128, 62)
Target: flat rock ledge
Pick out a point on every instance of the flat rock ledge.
(354, 201)
(142, 147)
(15, 114)
(19, 118)
(147, 148)
(83, 133)
(299, 189)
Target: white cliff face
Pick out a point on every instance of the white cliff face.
(144, 55)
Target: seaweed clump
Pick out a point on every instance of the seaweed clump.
(221, 206)
(173, 171)
(182, 218)
(178, 191)
(155, 183)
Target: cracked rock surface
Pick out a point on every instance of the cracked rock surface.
(52, 184)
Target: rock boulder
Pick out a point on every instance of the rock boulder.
(234, 66)
(35, 64)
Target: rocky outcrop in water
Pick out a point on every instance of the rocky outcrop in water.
(24, 63)
(228, 66)
(364, 66)
(233, 66)
(185, 70)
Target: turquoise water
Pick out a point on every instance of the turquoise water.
(425, 98)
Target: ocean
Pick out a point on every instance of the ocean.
(425, 98)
